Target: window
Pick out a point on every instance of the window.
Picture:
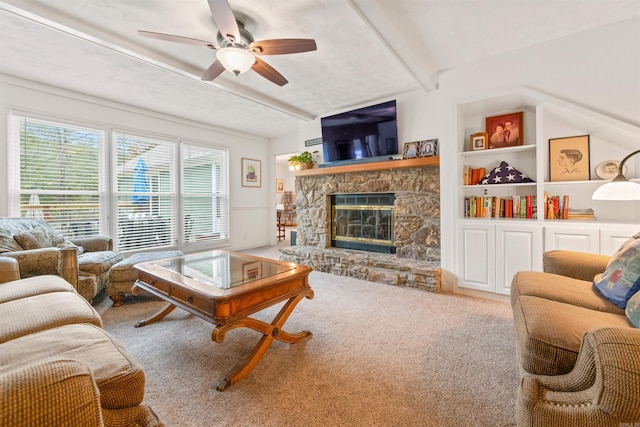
(204, 194)
(145, 192)
(59, 179)
(163, 193)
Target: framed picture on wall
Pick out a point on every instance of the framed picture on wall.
(569, 159)
(505, 130)
(279, 185)
(251, 173)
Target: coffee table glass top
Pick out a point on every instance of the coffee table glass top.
(222, 269)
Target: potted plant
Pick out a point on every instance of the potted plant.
(300, 161)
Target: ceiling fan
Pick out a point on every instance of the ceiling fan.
(237, 49)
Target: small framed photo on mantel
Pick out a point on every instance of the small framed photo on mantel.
(411, 150)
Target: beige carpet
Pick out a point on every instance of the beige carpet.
(379, 356)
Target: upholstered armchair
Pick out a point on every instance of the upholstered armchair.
(603, 389)
(36, 246)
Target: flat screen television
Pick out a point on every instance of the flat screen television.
(366, 133)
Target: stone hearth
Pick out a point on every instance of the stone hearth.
(416, 228)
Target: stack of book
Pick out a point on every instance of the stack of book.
(473, 176)
(500, 207)
(581, 214)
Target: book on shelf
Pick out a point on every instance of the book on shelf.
(472, 176)
(500, 207)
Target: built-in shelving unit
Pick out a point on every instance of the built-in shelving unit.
(491, 250)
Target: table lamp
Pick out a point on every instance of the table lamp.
(619, 188)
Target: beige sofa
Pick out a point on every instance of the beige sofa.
(579, 354)
(36, 245)
(57, 365)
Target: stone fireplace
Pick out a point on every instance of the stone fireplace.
(413, 240)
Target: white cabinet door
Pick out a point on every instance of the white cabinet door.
(580, 239)
(518, 248)
(476, 261)
(611, 238)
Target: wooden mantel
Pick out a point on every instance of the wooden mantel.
(373, 166)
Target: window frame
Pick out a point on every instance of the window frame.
(107, 186)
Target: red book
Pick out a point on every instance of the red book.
(508, 208)
(529, 206)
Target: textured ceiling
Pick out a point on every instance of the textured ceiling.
(367, 50)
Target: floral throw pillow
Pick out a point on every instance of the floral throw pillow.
(621, 279)
(36, 238)
(633, 310)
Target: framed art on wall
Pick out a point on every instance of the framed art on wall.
(251, 173)
(569, 159)
(279, 185)
(505, 130)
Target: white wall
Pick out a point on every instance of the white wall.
(249, 207)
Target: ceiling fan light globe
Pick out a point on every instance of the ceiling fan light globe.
(236, 60)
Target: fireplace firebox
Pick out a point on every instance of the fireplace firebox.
(363, 222)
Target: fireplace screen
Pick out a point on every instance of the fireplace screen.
(363, 226)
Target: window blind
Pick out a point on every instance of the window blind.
(59, 178)
(204, 194)
(145, 192)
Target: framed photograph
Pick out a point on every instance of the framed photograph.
(609, 169)
(411, 150)
(279, 185)
(428, 148)
(505, 130)
(569, 159)
(478, 141)
(252, 270)
(251, 173)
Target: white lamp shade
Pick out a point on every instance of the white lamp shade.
(618, 190)
(236, 60)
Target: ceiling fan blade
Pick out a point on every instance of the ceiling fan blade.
(268, 72)
(282, 46)
(177, 39)
(224, 19)
(213, 71)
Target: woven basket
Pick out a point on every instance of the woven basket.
(308, 165)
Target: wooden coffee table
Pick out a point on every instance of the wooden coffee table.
(225, 288)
